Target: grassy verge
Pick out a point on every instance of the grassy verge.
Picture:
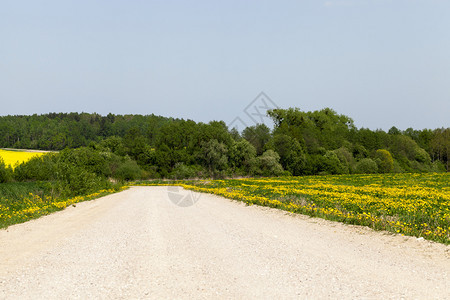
(23, 201)
(410, 204)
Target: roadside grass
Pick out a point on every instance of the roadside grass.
(24, 201)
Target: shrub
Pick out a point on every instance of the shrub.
(366, 165)
(292, 156)
(332, 164)
(182, 171)
(268, 164)
(37, 168)
(384, 161)
(437, 166)
(346, 158)
(422, 156)
(89, 159)
(4, 172)
(128, 170)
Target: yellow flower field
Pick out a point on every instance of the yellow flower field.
(31, 206)
(13, 158)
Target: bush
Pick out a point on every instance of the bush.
(346, 158)
(89, 159)
(268, 164)
(332, 164)
(437, 166)
(5, 172)
(241, 156)
(40, 168)
(292, 156)
(182, 171)
(422, 156)
(397, 168)
(384, 161)
(367, 166)
(128, 170)
(74, 180)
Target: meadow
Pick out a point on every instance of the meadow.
(410, 204)
(12, 158)
(21, 202)
(34, 184)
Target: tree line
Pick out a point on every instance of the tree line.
(128, 147)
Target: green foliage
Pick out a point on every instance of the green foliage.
(403, 147)
(422, 156)
(75, 180)
(268, 165)
(367, 166)
(394, 131)
(215, 156)
(20, 190)
(384, 160)
(346, 159)
(5, 172)
(324, 128)
(135, 144)
(92, 161)
(360, 152)
(440, 146)
(113, 144)
(258, 135)
(168, 147)
(182, 171)
(128, 170)
(333, 165)
(292, 156)
(437, 167)
(39, 168)
(79, 171)
(242, 155)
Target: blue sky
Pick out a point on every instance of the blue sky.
(382, 62)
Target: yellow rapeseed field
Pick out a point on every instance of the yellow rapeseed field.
(13, 158)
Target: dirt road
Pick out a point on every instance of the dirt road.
(139, 244)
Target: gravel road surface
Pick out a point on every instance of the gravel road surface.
(138, 244)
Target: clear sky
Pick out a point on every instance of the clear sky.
(382, 62)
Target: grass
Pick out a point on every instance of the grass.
(24, 201)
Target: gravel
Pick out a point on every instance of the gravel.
(138, 244)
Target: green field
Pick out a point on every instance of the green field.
(23, 201)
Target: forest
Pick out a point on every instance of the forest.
(130, 147)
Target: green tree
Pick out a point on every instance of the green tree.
(292, 156)
(346, 158)
(384, 160)
(258, 135)
(4, 172)
(267, 164)
(128, 170)
(440, 145)
(242, 155)
(215, 156)
(366, 166)
(332, 164)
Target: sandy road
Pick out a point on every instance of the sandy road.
(138, 244)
